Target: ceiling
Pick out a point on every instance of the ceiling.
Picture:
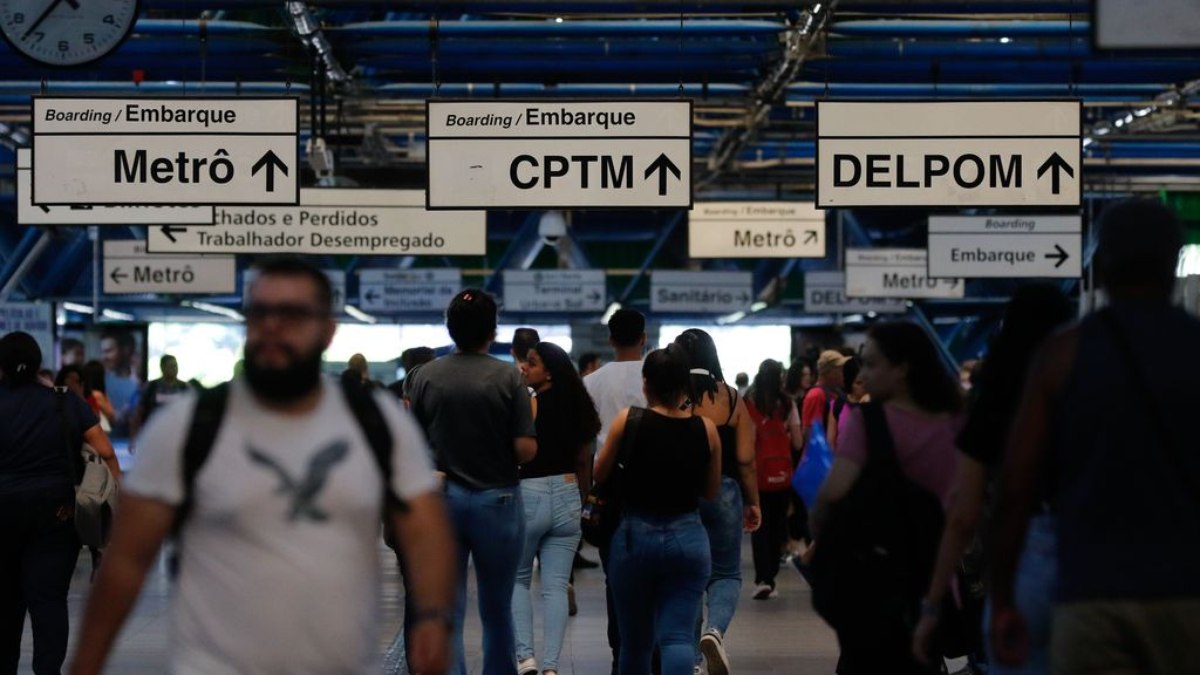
(754, 69)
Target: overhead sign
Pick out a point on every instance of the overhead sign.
(334, 222)
(392, 291)
(1143, 25)
(120, 151)
(1005, 246)
(825, 293)
(86, 214)
(37, 319)
(337, 283)
(949, 153)
(555, 290)
(701, 292)
(756, 230)
(559, 154)
(895, 273)
(129, 268)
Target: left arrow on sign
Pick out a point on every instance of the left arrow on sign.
(117, 276)
(170, 230)
(270, 162)
(662, 165)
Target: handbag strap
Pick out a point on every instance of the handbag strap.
(633, 422)
(1168, 446)
(880, 444)
(68, 431)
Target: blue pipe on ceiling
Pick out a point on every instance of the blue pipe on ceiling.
(897, 49)
(805, 91)
(960, 29)
(177, 27)
(556, 49)
(964, 71)
(550, 29)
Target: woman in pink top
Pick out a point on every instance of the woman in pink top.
(922, 405)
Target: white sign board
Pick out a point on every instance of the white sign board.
(825, 293)
(334, 222)
(115, 151)
(554, 291)
(701, 292)
(1146, 24)
(392, 291)
(86, 214)
(949, 153)
(128, 268)
(37, 319)
(756, 230)
(337, 280)
(895, 273)
(1006, 246)
(559, 154)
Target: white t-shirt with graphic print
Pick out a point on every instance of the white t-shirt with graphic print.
(279, 571)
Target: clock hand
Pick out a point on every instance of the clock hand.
(40, 19)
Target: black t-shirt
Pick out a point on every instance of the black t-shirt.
(32, 441)
(159, 393)
(472, 408)
(667, 467)
(559, 436)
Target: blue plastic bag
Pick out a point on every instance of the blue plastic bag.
(814, 466)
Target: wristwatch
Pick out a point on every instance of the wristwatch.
(433, 614)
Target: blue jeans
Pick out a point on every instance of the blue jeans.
(658, 569)
(1034, 589)
(552, 534)
(723, 521)
(490, 527)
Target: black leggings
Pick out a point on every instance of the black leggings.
(767, 542)
(38, 559)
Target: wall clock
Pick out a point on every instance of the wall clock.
(67, 32)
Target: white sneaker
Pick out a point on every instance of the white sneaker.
(764, 591)
(527, 667)
(713, 649)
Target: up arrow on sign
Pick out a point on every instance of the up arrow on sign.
(662, 165)
(1054, 165)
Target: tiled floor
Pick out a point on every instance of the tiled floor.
(781, 635)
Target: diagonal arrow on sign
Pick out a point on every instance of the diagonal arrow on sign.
(810, 236)
(662, 165)
(170, 230)
(270, 162)
(1055, 164)
(1060, 255)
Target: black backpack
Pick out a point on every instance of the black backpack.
(875, 557)
(210, 413)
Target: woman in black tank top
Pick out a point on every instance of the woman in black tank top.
(659, 561)
(737, 508)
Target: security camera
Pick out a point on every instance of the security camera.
(552, 227)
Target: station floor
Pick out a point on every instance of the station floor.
(778, 636)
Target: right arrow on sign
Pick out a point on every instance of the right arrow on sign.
(662, 165)
(1055, 164)
(1060, 255)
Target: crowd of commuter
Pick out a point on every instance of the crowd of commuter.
(1046, 521)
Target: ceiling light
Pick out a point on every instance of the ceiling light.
(116, 316)
(758, 306)
(214, 309)
(1005, 40)
(731, 318)
(360, 315)
(76, 307)
(558, 19)
(608, 313)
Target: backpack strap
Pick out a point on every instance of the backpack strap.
(69, 432)
(379, 437)
(201, 436)
(880, 444)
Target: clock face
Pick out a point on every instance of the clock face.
(66, 32)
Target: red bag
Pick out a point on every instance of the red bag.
(772, 451)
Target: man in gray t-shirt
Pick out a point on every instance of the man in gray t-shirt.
(476, 412)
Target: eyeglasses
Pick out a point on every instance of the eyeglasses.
(287, 314)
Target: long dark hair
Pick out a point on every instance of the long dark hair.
(701, 354)
(93, 377)
(1034, 312)
(20, 358)
(666, 373)
(568, 385)
(767, 392)
(60, 380)
(929, 382)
